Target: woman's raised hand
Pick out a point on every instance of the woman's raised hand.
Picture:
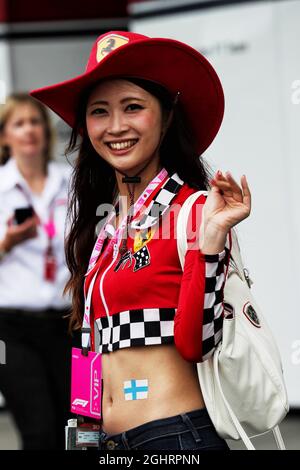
(226, 205)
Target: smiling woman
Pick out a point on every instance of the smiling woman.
(122, 125)
(146, 108)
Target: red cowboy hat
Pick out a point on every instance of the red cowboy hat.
(171, 63)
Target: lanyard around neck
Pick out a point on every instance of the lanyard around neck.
(118, 233)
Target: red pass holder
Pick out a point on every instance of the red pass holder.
(50, 265)
(86, 383)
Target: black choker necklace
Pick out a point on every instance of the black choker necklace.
(131, 179)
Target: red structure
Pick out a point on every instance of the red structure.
(14, 11)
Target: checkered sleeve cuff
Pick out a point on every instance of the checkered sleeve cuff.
(215, 269)
(215, 258)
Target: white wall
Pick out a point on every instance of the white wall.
(5, 69)
(254, 48)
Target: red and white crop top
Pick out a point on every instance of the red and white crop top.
(145, 298)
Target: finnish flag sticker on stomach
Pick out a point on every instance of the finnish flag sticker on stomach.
(136, 389)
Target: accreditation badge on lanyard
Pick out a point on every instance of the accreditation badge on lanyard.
(50, 260)
(86, 371)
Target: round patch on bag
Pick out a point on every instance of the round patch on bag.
(251, 314)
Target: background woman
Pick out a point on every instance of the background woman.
(33, 273)
(148, 120)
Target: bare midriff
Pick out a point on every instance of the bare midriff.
(173, 386)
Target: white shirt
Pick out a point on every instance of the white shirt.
(22, 283)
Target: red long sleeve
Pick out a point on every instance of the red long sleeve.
(199, 318)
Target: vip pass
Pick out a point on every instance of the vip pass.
(136, 389)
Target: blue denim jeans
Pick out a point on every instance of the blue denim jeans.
(192, 430)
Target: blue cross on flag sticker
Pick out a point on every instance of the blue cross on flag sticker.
(136, 389)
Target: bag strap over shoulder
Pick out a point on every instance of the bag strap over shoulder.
(182, 222)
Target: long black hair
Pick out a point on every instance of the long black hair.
(94, 183)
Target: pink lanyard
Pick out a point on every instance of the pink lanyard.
(86, 324)
(117, 235)
(50, 262)
(49, 226)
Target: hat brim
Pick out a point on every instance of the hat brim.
(173, 64)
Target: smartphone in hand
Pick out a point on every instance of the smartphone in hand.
(23, 213)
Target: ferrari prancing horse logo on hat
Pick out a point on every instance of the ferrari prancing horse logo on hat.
(109, 44)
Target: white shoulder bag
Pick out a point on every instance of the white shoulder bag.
(242, 382)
